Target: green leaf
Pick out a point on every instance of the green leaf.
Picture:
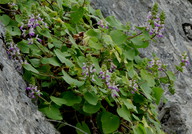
(71, 98)
(158, 92)
(30, 68)
(171, 75)
(139, 42)
(57, 43)
(70, 80)
(146, 90)
(139, 98)
(34, 50)
(96, 63)
(94, 43)
(61, 57)
(83, 126)
(44, 32)
(147, 77)
(146, 35)
(5, 19)
(23, 46)
(18, 18)
(5, 1)
(110, 122)
(52, 112)
(107, 39)
(13, 30)
(35, 62)
(124, 113)
(91, 98)
(94, 33)
(77, 14)
(128, 103)
(129, 53)
(53, 61)
(135, 117)
(60, 3)
(91, 109)
(164, 80)
(58, 101)
(139, 129)
(118, 36)
(115, 23)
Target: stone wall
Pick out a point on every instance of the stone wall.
(18, 115)
(176, 114)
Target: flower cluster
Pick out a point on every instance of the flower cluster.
(33, 91)
(13, 53)
(155, 22)
(184, 60)
(102, 24)
(108, 78)
(112, 67)
(133, 85)
(155, 25)
(29, 28)
(156, 63)
(88, 71)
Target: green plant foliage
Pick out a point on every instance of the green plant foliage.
(85, 69)
(52, 112)
(110, 122)
(83, 126)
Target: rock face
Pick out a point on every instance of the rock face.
(18, 115)
(176, 114)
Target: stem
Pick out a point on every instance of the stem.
(65, 123)
(48, 75)
(50, 5)
(44, 99)
(134, 36)
(94, 128)
(9, 10)
(153, 36)
(83, 3)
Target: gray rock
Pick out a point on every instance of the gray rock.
(18, 115)
(176, 115)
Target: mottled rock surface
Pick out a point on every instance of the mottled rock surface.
(176, 115)
(18, 115)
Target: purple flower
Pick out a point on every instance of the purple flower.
(38, 39)
(88, 71)
(160, 35)
(30, 41)
(101, 72)
(21, 27)
(33, 91)
(133, 85)
(31, 31)
(92, 78)
(12, 48)
(114, 94)
(157, 25)
(151, 33)
(28, 88)
(84, 67)
(132, 92)
(149, 16)
(185, 59)
(24, 33)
